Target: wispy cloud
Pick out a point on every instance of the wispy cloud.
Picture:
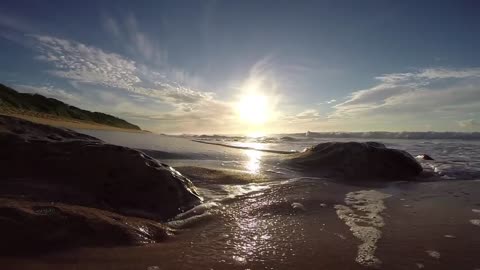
(429, 74)
(306, 116)
(86, 64)
(14, 28)
(469, 123)
(14, 23)
(331, 101)
(310, 115)
(91, 66)
(111, 26)
(134, 40)
(426, 91)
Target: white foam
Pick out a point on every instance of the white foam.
(433, 253)
(298, 206)
(198, 213)
(362, 214)
(420, 265)
(239, 259)
(235, 191)
(198, 210)
(475, 222)
(190, 221)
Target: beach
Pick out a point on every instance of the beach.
(244, 135)
(263, 231)
(258, 213)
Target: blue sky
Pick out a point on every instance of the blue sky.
(182, 66)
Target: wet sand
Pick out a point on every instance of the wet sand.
(430, 220)
(427, 225)
(257, 215)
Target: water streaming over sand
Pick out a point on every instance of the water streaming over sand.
(362, 213)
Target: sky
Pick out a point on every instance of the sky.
(252, 66)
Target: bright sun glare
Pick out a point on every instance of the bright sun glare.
(253, 109)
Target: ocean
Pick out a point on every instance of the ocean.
(260, 215)
(457, 155)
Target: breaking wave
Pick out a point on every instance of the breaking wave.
(398, 135)
(292, 137)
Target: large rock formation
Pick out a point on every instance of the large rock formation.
(43, 163)
(354, 160)
(39, 227)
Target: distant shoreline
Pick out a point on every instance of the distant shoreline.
(55, 121)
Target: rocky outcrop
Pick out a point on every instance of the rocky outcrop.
(46, 164)
(39, 227)
(354, 160)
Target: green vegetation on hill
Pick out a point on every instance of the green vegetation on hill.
(11, 99)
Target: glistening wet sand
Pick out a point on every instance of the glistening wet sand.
(258, 214)
(426, 225)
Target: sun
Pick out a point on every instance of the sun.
(253, 109)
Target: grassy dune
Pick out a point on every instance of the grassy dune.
(50, 111)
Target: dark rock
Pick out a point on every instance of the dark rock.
(354, 160)
(40, 227)
(43, 163)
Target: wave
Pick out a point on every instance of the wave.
(246, 147)
(292, 137)
(430, 135)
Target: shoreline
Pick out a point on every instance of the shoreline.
(55, 121)
(414, 226)
(252, 215)
(247, 148)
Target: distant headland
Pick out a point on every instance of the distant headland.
(50, 111)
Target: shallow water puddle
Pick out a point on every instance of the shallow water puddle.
(362, 214)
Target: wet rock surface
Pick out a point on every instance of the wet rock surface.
(34, 227)
(356, 161)
(60, 188)
(43, 163)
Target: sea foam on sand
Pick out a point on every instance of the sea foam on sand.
(362, 214)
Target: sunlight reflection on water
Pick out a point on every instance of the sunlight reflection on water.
(260, 236)
(253, 164)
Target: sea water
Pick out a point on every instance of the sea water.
(453, 158)
(289, 221)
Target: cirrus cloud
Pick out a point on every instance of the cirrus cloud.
(134, 83)
(443, 92)
(469, 123)
(86, 64)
